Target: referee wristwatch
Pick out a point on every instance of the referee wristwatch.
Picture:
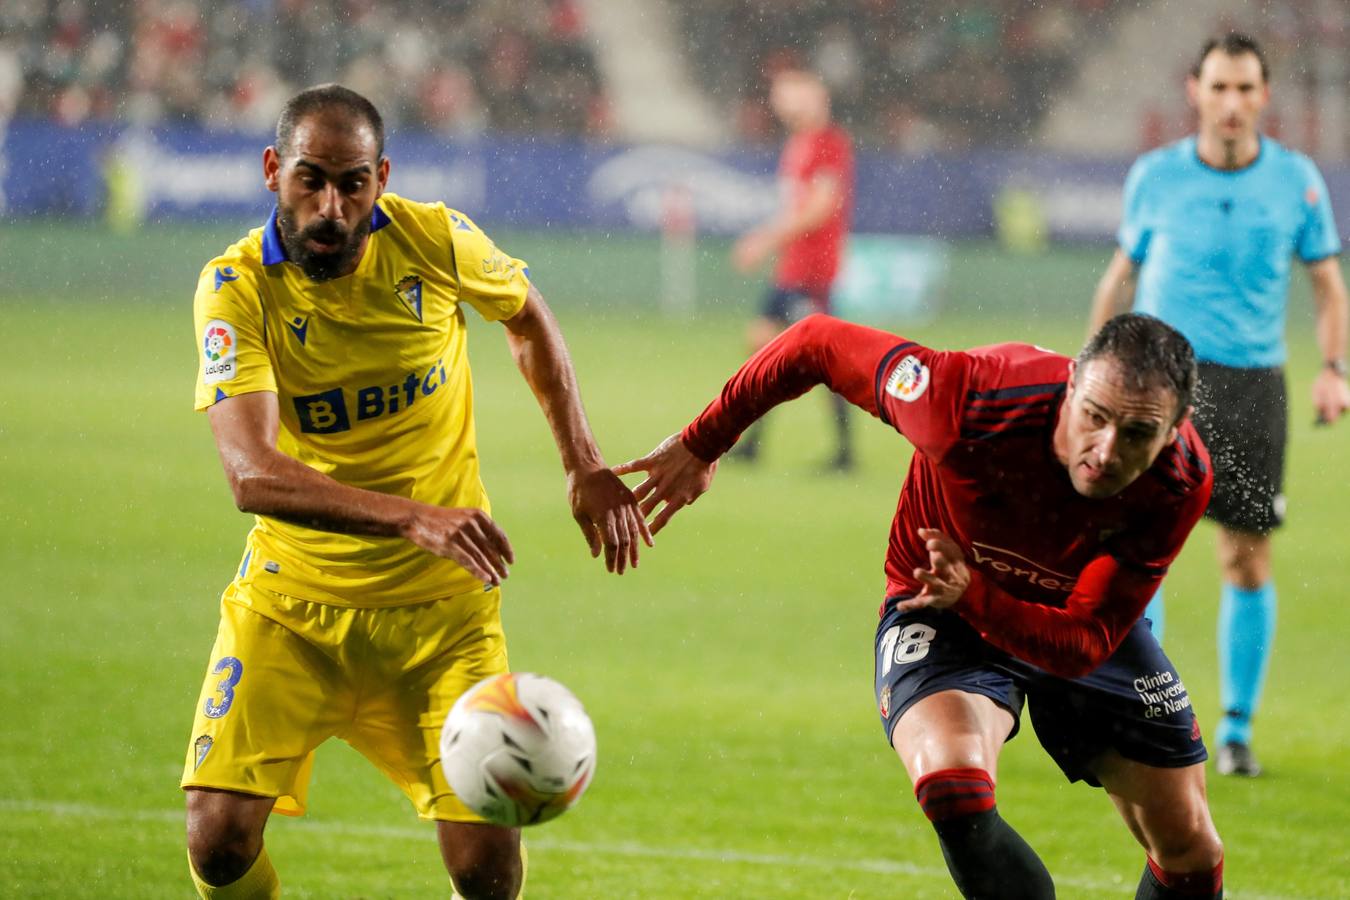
(1337, 366)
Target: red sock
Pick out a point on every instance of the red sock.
(949, 793)
(1189, 884)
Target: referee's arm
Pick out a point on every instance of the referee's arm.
(1331, 394)
(1115, 291)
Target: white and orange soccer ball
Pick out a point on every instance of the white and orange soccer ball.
(518, 749)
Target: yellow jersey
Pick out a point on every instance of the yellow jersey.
(372, 379)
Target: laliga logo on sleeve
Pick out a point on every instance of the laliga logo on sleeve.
(908, 380)
(218, 348)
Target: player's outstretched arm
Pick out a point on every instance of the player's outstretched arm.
(1330, 392)
(817, 350)
(267, 482)
(602, 505)
(675, 477)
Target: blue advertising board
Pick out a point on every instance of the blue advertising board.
(194, 174)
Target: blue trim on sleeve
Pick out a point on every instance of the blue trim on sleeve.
(378, 218)
(272, 250)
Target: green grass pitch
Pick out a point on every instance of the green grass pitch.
(729, 677)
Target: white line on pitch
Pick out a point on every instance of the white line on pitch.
(625, 849)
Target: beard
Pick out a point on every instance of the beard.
(317, 265)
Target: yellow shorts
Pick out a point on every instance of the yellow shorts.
(287, 674)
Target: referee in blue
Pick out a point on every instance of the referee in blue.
(1209, 229)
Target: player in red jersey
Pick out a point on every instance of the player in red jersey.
(810, 230)
(1044, 502)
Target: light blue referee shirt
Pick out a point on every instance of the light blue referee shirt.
(1215, 246)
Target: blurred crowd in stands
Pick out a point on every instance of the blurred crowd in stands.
(914, 75)
(457, 67)
(911, 75)
(907, 75)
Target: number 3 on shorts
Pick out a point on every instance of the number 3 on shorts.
(211, 708)
(905, 645)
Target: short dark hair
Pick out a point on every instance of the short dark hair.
(1151, 353)
(1234, 43)
(322, 98)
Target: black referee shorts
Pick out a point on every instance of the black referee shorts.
(1242, 416)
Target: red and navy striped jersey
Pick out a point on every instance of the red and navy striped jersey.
(1057, 578)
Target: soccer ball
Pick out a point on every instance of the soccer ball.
(518, 749)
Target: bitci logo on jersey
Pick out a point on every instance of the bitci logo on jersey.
(218, 349)
(909, 379)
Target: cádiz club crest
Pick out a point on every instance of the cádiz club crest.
(201, 747)
(409, 290)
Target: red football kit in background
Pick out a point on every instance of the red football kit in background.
(810, 261)
(1057, 579)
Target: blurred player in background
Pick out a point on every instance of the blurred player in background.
(336, 379)
(1044, 502)
(1210, 224)
(810, 231)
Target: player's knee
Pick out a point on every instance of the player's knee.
(1192, 845)
(222, 841)
(495, 877)
(1245, 572)
(484, 863)
(219, 862)
(953, 793)
(1245, 559)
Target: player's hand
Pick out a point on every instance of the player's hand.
(675, 477)
(608, 515)
(751, 251)
(946, 578)
(466, 535)
(1331, 396)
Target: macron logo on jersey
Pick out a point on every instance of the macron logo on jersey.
(299, 327)
(225, 275)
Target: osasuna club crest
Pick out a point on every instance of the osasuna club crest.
(409, 290)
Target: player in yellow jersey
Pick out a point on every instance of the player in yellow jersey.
(335, 378)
